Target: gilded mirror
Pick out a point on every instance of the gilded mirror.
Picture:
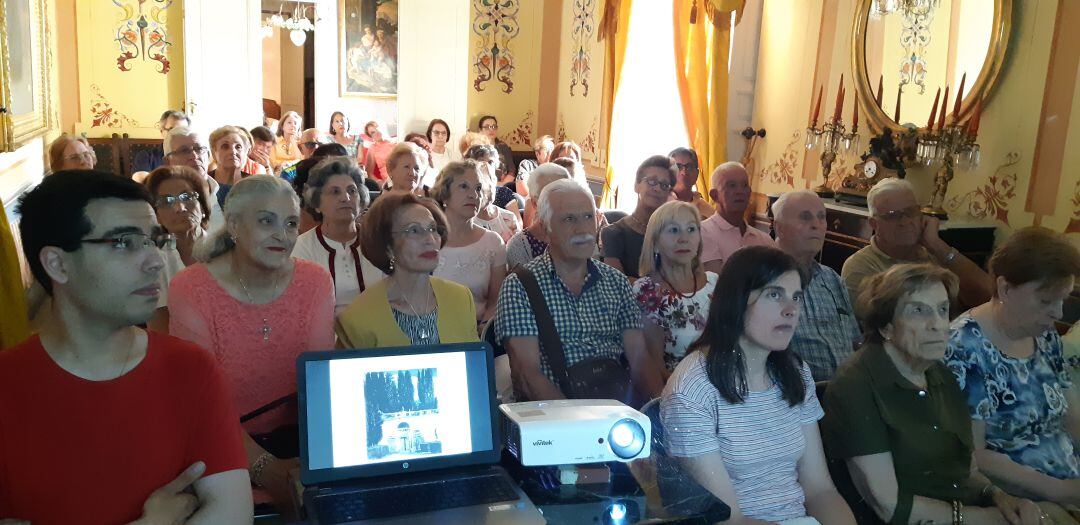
(25, 110)
(913, 48)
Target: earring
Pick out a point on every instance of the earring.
(391, 264)
(656, 259)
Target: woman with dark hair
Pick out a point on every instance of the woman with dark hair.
(621, 242)
(740, 411)
(334, 196)
(438, 135)
(896, 416)
(1008, 358)
(339, 131)
(376, 151)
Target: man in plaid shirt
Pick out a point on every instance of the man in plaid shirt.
(827, 332)
(592, 304)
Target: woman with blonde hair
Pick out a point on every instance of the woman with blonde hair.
(286, 151)
(71, 152)
(675, 290)
(229, 146)
(405, 166)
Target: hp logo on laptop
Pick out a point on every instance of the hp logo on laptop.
(405, 465)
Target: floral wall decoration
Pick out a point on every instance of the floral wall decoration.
(521, 136)
(141, 33)
(103, 113)
(782, 171)
(1074, 224)
(992, 198)
(496, 23)
(588, 144)
(581, 36)
(560, 131)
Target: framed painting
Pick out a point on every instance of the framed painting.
(25, 103)
(369, 44)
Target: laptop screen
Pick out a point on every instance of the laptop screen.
(389, 410)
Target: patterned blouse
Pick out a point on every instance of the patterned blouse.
(1022, 401)
(682, 318)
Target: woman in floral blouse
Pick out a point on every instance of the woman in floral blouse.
(1008, 359)
(675, 290)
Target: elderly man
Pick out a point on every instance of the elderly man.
(903, 235)
(310, 140)
(686, 160)
(592, 304)
(827, 332)
(146, 160)
(184, 147)
(727, 231)
(115, 424)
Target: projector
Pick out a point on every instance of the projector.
(575, 431)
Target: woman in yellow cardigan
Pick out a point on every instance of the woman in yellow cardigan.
(402, 235)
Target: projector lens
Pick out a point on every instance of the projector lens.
(617, 512)
(626, 438)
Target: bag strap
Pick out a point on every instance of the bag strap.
(267, 407)
(550, 344)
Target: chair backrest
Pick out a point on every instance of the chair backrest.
(614, 216)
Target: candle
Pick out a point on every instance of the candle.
(973, 124)
(944, 101)
(817, 107)
(933, 112)
(959, 96)
(839, 100)
(854, 113)
(896, 114)
(880, 90)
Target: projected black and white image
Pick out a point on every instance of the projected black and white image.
(402, 414)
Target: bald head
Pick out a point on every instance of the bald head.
(799, 220)
(310, 139)
(730, 189)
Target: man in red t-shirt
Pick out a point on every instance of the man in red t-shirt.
(101, 421)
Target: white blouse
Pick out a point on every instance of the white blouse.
(471, 266)
(341, 260)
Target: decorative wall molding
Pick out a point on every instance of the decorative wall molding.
(782, 170)
(581, 37)
(521, 136)
(104, 114)
(991, 199)
(495, 22)
(142, 36)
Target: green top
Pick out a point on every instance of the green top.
(870, 408)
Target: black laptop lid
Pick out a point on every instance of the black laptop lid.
(383, 411)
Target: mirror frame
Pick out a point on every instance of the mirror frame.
(877, 119)
(18, 130)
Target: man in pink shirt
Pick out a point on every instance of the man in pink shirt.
(727, 231)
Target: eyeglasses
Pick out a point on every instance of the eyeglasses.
(440, 133)
(666, 186)
(135, 242)
(197, 151)
(911, 212)
(689, 168)
(165, 201)
(310, 144)
(88, 155)
(491, 127)
(420, 232)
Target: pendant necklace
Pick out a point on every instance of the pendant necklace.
(424, 334)
(265, 323)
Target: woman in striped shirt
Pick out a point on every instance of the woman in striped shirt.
(740, 412)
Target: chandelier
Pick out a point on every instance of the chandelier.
(298, 24)
(910, 7)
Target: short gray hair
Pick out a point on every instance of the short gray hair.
(559, 187)
(321, 173)
(543, 175)
(240, 198)
(714, 179)
(178, 131)
(885, 186)
(778, 206)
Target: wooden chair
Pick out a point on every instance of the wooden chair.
(108, 152)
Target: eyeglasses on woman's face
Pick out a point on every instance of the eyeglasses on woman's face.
(167, 201)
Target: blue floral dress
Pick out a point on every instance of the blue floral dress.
(1022, 401)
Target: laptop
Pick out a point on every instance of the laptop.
(404, 435)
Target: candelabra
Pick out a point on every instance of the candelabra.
(953, 146)
(831, 138)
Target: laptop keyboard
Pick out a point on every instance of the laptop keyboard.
(386, 502)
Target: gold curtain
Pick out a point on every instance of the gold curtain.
(14, 326)
(702, 38)
(614, 26)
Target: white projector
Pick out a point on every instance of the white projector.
(575, 431)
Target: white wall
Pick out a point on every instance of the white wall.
(433, 34)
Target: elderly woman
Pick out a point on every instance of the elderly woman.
(499, 212)
(339, 132)
(1007, 357)
(896, 416)
(566, 149)
(256, 309)
(406, 166)
(532, 242)
(740, 411)
(542, 147)
(287, 149)
(335, 195)
(69, 152)
(438, 135)
(621, 242)
(229, 147)
(675, 290)
(402, 235)
(472, 256)
(376, 152)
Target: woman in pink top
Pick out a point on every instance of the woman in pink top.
(256, 308)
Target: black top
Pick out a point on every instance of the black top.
(620, 241)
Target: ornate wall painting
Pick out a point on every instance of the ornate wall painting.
(580, 36)
(369, 44)
(521, 136)
(589, 142)
(560, 130)
(990, 200)
(495, 22)
(1074, 224)
(105, 116)
(782, 171)
(142, 34)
